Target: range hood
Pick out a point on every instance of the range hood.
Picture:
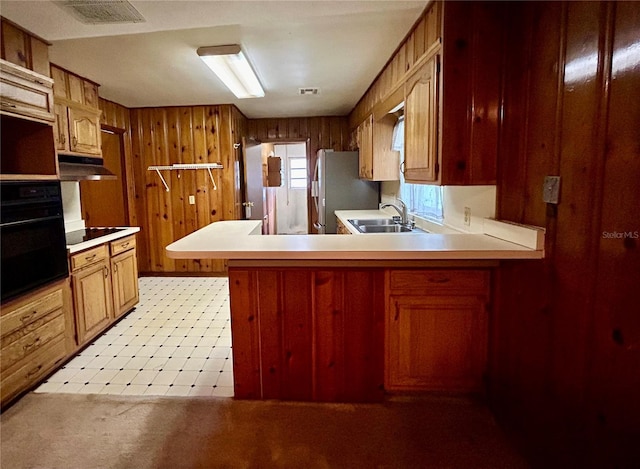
(78, 168)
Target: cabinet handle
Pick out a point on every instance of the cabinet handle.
(6, 104)
(35, 343)
(106, 271)
(90, 258)
(34, 371)
(74, 141)
(124, 245)
(115, 268)
(402, 167)
(22, 57)
(439, 280)
(63, 139)
(28, 317)
(397, 316)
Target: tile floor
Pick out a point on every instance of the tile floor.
(176, 342)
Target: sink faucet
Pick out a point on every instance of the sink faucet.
(401, 211)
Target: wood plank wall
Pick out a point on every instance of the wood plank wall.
(319, 132)
(192, 134)
(565, 358)
(307, 334)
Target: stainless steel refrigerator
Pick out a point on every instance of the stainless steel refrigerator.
(336, 186)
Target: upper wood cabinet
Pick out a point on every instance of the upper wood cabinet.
(452, 112)
(421, 123)
(26, 113)
(373, 138)
(25, 94)
(462, 137)
(77, 115)
(22, 48)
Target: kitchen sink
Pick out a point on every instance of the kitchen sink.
(384, 229)
(373, 222)
(382, 225)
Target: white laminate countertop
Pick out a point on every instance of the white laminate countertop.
(126, 231)
(234, 240)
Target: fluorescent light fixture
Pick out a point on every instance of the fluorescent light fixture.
(232, 67)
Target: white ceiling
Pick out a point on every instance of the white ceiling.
(337, 46)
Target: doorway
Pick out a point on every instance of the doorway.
(104, 202)
(276, 179)
(291, 196)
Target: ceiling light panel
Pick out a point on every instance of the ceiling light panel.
(233, 69)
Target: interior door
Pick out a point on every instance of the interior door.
(104, 202)
(253, 189)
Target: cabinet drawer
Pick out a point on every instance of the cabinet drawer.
(29, 339)
(88, 257)
(29, 371)
(31, 312)
(441, 281)
(25, 93)
(122, 245)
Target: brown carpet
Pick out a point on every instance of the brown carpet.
(97, 431)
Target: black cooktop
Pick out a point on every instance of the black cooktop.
(80, 236)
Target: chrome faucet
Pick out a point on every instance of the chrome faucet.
(401, 211)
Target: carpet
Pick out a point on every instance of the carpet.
(126, 432)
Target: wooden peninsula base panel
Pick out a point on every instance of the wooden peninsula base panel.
(342, 334)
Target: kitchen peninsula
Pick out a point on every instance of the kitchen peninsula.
(347, 318)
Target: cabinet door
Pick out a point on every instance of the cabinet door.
(93, 303)
(124, 270)
(14, 45)
(84, 131)
(436, 343)
(61, 127)
(421, 123)
(365, 147)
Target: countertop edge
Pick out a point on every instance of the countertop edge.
(126, 231)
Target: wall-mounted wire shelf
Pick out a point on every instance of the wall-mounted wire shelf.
(174, 167)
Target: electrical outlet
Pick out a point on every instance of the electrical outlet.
(192, 200)
(467, 216)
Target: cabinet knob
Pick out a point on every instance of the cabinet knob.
(35, 343)
(27, 317)
(34, 371)
(6, 104)
(74, 141)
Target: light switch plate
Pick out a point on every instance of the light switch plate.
(192, 200)
(551, 189)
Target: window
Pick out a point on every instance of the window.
(422, 200)
(298, 173)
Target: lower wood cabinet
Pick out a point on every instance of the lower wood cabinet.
(104, 284)
(92, 300)
(341, 228)
(350, 334)
(33, 338)
(124, 275)
(436, 330)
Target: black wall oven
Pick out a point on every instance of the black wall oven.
(34, 250)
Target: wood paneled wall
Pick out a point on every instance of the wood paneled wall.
(319, 132)
(565, 358)
(194, 134)
(307, 334)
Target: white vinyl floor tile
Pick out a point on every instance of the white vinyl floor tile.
(176, 342)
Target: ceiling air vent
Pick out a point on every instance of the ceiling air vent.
(305, 91)
(102, 11)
